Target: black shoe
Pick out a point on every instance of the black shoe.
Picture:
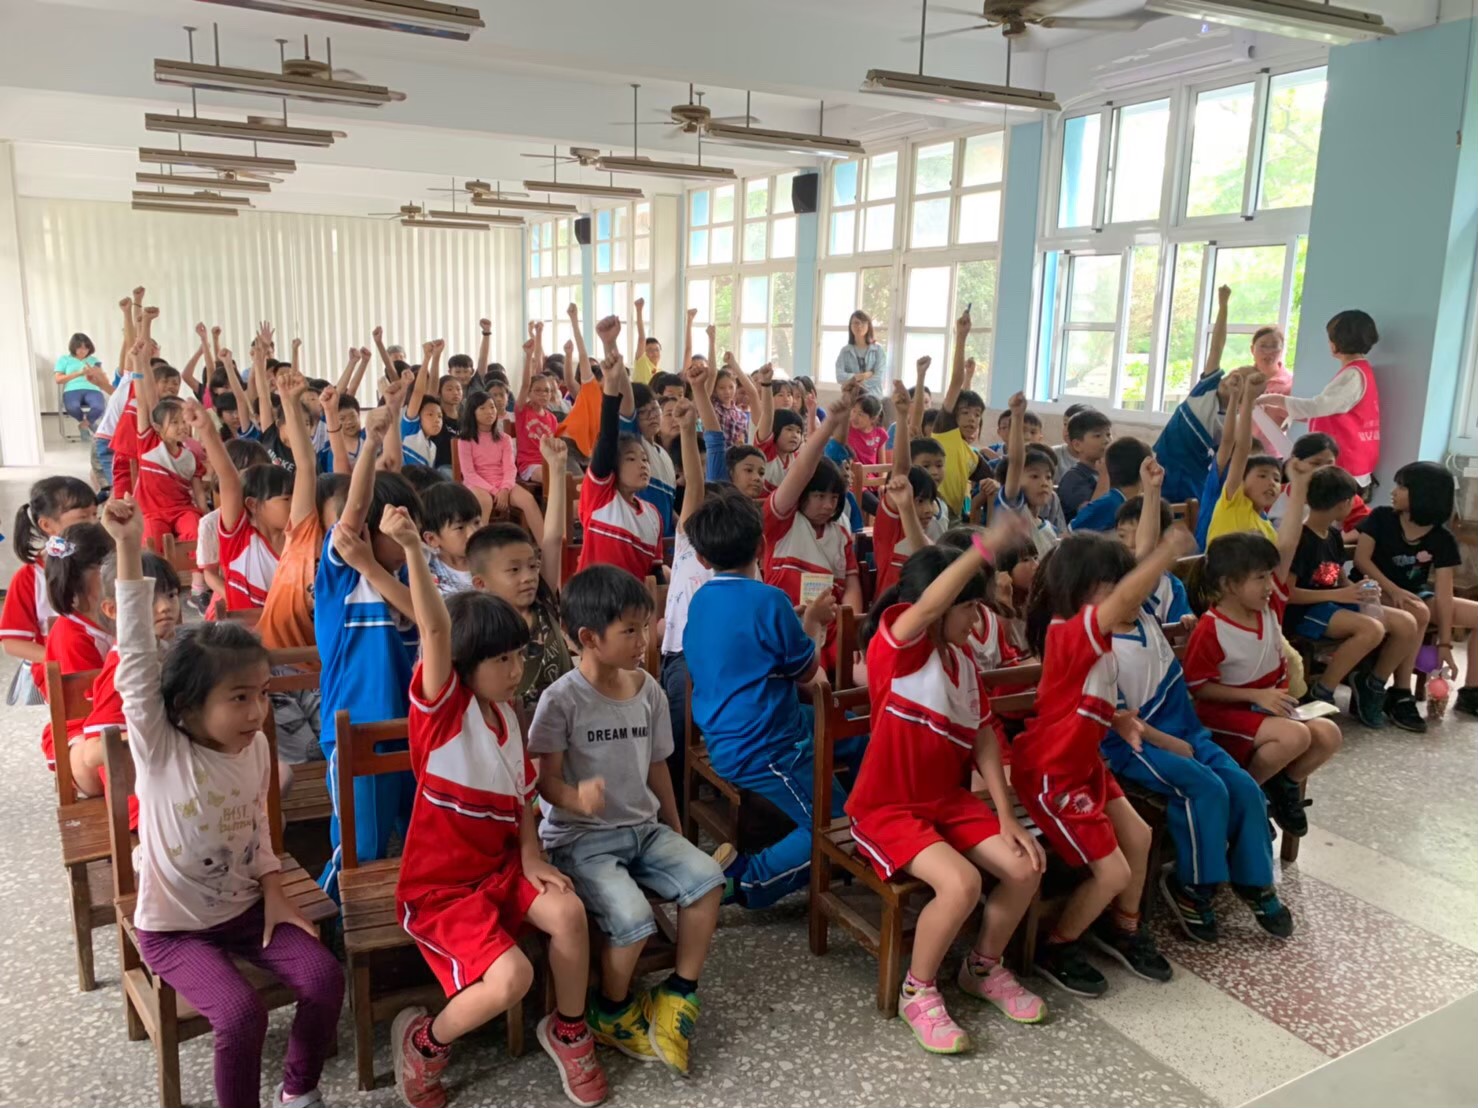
(1368, 699)
(1467, 700)
(1286, 805)
(1271, 914)
(1401, 710)
(1064, 965)
(1191, 907)
(1134, 950)
(200, 601)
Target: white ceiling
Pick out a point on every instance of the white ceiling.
(77, 79)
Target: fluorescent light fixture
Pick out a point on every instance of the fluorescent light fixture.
(318, 90)
(946, 90)
(192, 198)
(211, 159)
(1290, 18)
(572, 188)
(180, 180)
(192, 209)
(488, 200)
(479, 217)
(445, 224)
(413, 17)
(639, 164)
(239, 129)
(792, 142)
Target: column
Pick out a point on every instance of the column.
(20, 415)
(1012, 350)
(807, 249)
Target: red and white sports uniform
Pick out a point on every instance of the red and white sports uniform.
(1056, 770)
(775, 463)
(1226, 652)
(890, 548)
(126, 441)
(462, 894)
(248, 564)
(794, 546)
(77, 645)
(28, 612)
(163, 491)
(107, 711)
(991, 646)
(618, 531)
(913, 789)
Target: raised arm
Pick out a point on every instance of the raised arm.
(641, 329)
(229, 498)
(146, 392)
(688, 342)
(902, 446)
(362, 483)
(1015, 448)
(337, 450)
(957, 377)
(764, 402)
(432, 619)
(187, 375)
(305, 462)
(1242, 449)
(694, 479)
(484, 346)
(556, 454)
(917, 407)
(418, 390)
(528, 375)
(900, 494)
(1291, 526)
(1132, 591)
(1218, 342)
(263, 389)
(803, 468)
(1236, 386)
(606, 455)
(357, 377)
(939, 597)
(392, 454)
(346, 378)
(378, 334)
(126, 307)
(1147, 535)
(746, 386)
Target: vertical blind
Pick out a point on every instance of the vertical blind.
(327, 280)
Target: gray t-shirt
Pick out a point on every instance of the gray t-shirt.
(617, 740)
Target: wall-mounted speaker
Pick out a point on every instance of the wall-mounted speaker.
(582, 230)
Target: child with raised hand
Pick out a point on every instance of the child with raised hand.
(210, 887)
(1139, 524)
(1408, 549)
(641, 417)
(1235, 669)
(621, 528)
(911, 810)
(603, 738)
(778, 432)
(1027, 484)
(728, 383)
(1084, 588)
(906, 508)
(421, 421)
(449, 516)
(82, 634)
(1119, 482)
(170, 491)
(532, 419)
(958, 425)
(472, 872)
(1252, 481)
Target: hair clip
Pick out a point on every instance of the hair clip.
(59, 547)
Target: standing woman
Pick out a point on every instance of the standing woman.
(82, 399)
(1268, 346)
(863, 359)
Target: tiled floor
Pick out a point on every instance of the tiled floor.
(1385, 895)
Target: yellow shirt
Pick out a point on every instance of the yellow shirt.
(960, 461)
(1234, 512)
(641, 370)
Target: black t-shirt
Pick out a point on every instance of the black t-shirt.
(442, 444)
(1408, 562)
(277, 449)
(1316, 565)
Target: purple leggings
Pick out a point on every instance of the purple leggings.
(197, 964)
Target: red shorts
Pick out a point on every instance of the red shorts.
(183, 523)
(892, 837)
(462, 932)
(1069, 809)
(122, 475)
(1233, 726)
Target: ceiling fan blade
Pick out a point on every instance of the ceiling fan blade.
(737, 120)
(1099, 23)
(627, 123)
(972, 13)
(932, 35)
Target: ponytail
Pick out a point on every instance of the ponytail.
(869, 626)
(51, 498)
(1039, 606)
(78, 551)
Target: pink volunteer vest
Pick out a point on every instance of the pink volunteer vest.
(1358, 430)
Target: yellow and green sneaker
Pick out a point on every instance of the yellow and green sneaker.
(625, 1030)
(671, 1016)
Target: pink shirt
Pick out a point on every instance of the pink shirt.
(487, 463)
(532, 428)
(868, 445)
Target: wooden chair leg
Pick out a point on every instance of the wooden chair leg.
(820, 885)
(1153, 865)
(890, 959)
(364, 1024)
(1016, 956)
(514, 1016)
(81, 896)
(128, 959)
(1288, 848)
(167, 1048)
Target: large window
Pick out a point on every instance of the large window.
(1158, 202)
(622, 248)
(554, 278)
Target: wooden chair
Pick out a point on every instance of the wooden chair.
(180, 555)
(1188, 511)
(81, 821)
(653, 662)
(383, 961)
(247, 617)
(869, 478)
(151, 1007)
(725, 812)
(306, 799)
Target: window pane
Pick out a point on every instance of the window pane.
(534, 304)
(721, 246)
(603, 303)
(1219, 151)
(562, 233)
(980, 217)
(620, 300)
(983, 157)
(1255, 274)
(618, 256)
(535, 231)
(603, 258)
(752, 347)
(782, 347)
(933, 168)
(841, 232)
(619, 229)
(844, 183)
(1144, 264)
(1139, 161)
(644, 219)
(723, 204)
(698, 208)
(832, 342)
(755, 304)
(782, 244)
(603, 224)
(782, 193)
(723, 301)
(1094, 292)
(1185, 311)
(1296, 300)
(877, 299)
(534, 264)
(916, 345)
(877, 228)
(643, 291)
(928, 297)
(699, 293)
(1295, 113)
(782, 298)
(930, 223)
(882, 177)
(1079, 171)
(757, 198)
(697, 247)
(754, 241)
(1087, 363)
(643, 253)
(975, 288)
(838, 298)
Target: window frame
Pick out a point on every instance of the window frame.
(637, 280)
(554, 290)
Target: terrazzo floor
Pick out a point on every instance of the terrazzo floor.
(1385, 894)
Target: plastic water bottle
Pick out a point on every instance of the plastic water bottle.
(1370, 604)
(1437, 694)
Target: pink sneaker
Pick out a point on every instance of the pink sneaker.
(937, 1033)
(1001, 988)
(583, 1080)
(417, 1078)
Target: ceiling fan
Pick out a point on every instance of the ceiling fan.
(579, 155)
(1018, 18)
(692, 117)
(478, 188)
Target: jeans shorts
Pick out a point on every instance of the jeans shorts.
(611, 867)
(1314, 623)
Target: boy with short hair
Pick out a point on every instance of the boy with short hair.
(603, 734)
(1121, 462)
(648, 350)
(664, 384)
(641, 417)
(777, 432)
(1088, 436)
(926, 453)
(957, 425)
(1031, 423)
(1027, 479)
(1252, 481)
(450, 514)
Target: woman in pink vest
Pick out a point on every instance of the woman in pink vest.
(1348, 410)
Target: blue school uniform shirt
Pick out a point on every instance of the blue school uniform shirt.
(1168, 602)
(367, 648)
(1098, 515)
(837, 452)
(1210, 494)
(660, 492)
(1187, 445)
(326, 455)
(1151, 682)
(414, 445)
(745, 650)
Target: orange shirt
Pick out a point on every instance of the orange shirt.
(582, 425)
(287, 613)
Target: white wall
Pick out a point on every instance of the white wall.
(325, 279)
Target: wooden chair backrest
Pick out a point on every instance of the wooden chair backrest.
(832, 725)
(306, 663)
(1188, 510)
(653, 661)
(1026, 698)
(869, 477)
(68, 697)
(846, 646)
(358, 757)
(180, 555)
(247, 617)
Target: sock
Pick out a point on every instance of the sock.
(567, 1029)
(1127, 922)
(427, 1044)
(981, 964)
(912, 985)
(680, 985)
(611, 1007)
